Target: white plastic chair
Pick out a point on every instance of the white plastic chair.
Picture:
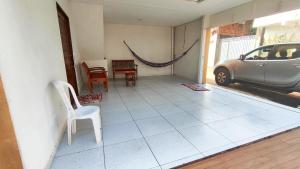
(81, 112)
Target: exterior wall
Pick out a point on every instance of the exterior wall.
(88, 22)
(282, 34)
(31, 57)
(251, 10)
(236, 29)
(232, 48)
(185, 35)
(152, 43)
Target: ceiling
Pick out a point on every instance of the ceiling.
(162, 12)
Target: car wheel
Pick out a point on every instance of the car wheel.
(222, 77)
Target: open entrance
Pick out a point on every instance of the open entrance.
(264, 73)
(228, 42)
(65, 33)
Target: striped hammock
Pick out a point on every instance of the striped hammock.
(152, 64)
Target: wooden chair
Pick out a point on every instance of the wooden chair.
(123, 66)
(95, 74)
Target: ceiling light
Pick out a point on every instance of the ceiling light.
(197, 1)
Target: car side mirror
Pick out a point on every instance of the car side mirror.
(242, 57)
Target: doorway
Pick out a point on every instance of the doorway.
(225, 43)
(228, 42)
(65, 33)
(9, 154)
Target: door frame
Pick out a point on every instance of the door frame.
(9, 155)
(60, 10)
(206, 53)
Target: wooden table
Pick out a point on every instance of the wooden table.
(130, 76)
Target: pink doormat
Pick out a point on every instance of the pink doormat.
(90, 99)
(195, 86)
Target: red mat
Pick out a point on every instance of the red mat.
(90, 99)
(195, 86)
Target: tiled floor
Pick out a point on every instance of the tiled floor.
(161, 124)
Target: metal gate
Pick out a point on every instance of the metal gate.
(232, 48)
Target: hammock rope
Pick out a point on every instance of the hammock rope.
(153, 64)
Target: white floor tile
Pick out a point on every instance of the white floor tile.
(206, 116)
(227, 111)
(232, 131)
(143, 113)
(171, 146)
(166, 109)
(278, 117)
(112, 106)
(254, 123)
(190, 106)
(133, 154)
(136, 104)
(204, 138)
(90, 159)
(117, 133)
(157, 100)
(156, 167)
(82, 140)
(247, 108)
(211, 102)
(153, 126)
(176, 98)
(182, 120)
(116, 116)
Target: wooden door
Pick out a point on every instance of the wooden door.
(66, 41)
(9, 151)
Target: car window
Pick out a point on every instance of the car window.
(291, 51)
(260, 54)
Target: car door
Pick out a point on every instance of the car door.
(284, 69)
(252, 67)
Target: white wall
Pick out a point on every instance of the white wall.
(88, 22)
(189, 66)
(152, 43)
(251, 10)
(30, 58)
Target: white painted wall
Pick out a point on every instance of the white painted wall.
(189, 66)
(30, 58)
(152, 43)
(251, 10)
(88, 22)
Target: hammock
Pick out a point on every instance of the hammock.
(152, 64)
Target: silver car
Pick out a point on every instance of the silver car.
(273, 66)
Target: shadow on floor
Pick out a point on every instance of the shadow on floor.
(292, 99)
